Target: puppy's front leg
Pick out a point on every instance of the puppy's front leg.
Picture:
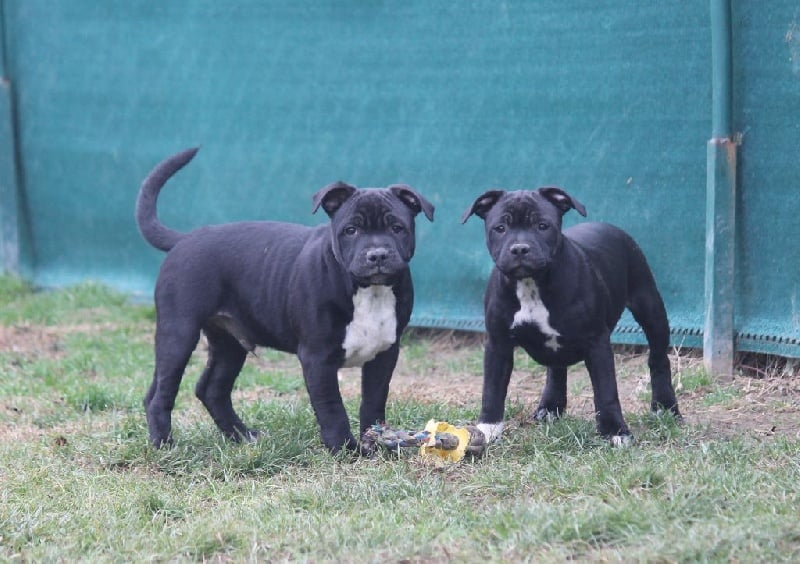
(320, 374)
(375, 377)
(554, 396)
(498, 362)
(600, 363)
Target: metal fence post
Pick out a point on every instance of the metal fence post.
(719, 333)
(9, 208)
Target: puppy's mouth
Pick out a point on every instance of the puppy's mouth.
(377, 276)
(377, 267)
(379, 279)
(518, 271)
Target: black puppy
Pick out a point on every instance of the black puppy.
(338, 294)
(559, 296)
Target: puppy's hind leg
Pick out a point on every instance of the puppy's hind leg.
(174, 347)
(554, 396)
(648, 310)
(225, 360)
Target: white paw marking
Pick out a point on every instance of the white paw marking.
(621, 441)
(374, 325)
(491, 431)
(533, 310)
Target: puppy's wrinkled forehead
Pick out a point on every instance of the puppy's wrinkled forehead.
(523, 207)
(374, 208)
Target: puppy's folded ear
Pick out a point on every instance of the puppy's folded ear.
(483, 204)
(332, 196)
(412, 199)
(560, 199)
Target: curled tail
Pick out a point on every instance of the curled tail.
(153, 231)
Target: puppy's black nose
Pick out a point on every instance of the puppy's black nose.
(377, 256)
(519, 249)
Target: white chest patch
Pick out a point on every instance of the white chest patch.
(533, 310)
(374, 325)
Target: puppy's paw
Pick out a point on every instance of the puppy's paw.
(491, 431)
(659, 410)
(160, 443)
(621, 441)
(252, 435)
(544, 415)
(243, 435)
(345, 448)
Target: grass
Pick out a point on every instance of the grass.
(80, 482)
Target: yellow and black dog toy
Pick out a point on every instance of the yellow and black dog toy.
(439, 441)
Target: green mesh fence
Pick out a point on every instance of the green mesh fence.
(610, 100)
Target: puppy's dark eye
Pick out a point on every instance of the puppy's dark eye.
(543, 226)
(500, 228)
(397, 228)
(350, 230)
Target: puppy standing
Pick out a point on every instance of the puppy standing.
(338, 294)
(559, 296)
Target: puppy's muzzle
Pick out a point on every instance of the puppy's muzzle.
(377, 257)
(379, 265)
(522, 260)
(520, 249)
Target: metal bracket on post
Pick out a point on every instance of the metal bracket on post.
(719, 334)
(720, 274)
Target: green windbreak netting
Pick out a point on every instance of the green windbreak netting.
(609, 100)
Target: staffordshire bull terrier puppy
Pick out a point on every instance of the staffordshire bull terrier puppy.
(338, 294)
(559, 295)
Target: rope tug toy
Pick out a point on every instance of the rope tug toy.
(439, 440)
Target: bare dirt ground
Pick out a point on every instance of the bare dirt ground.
(761, 398)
